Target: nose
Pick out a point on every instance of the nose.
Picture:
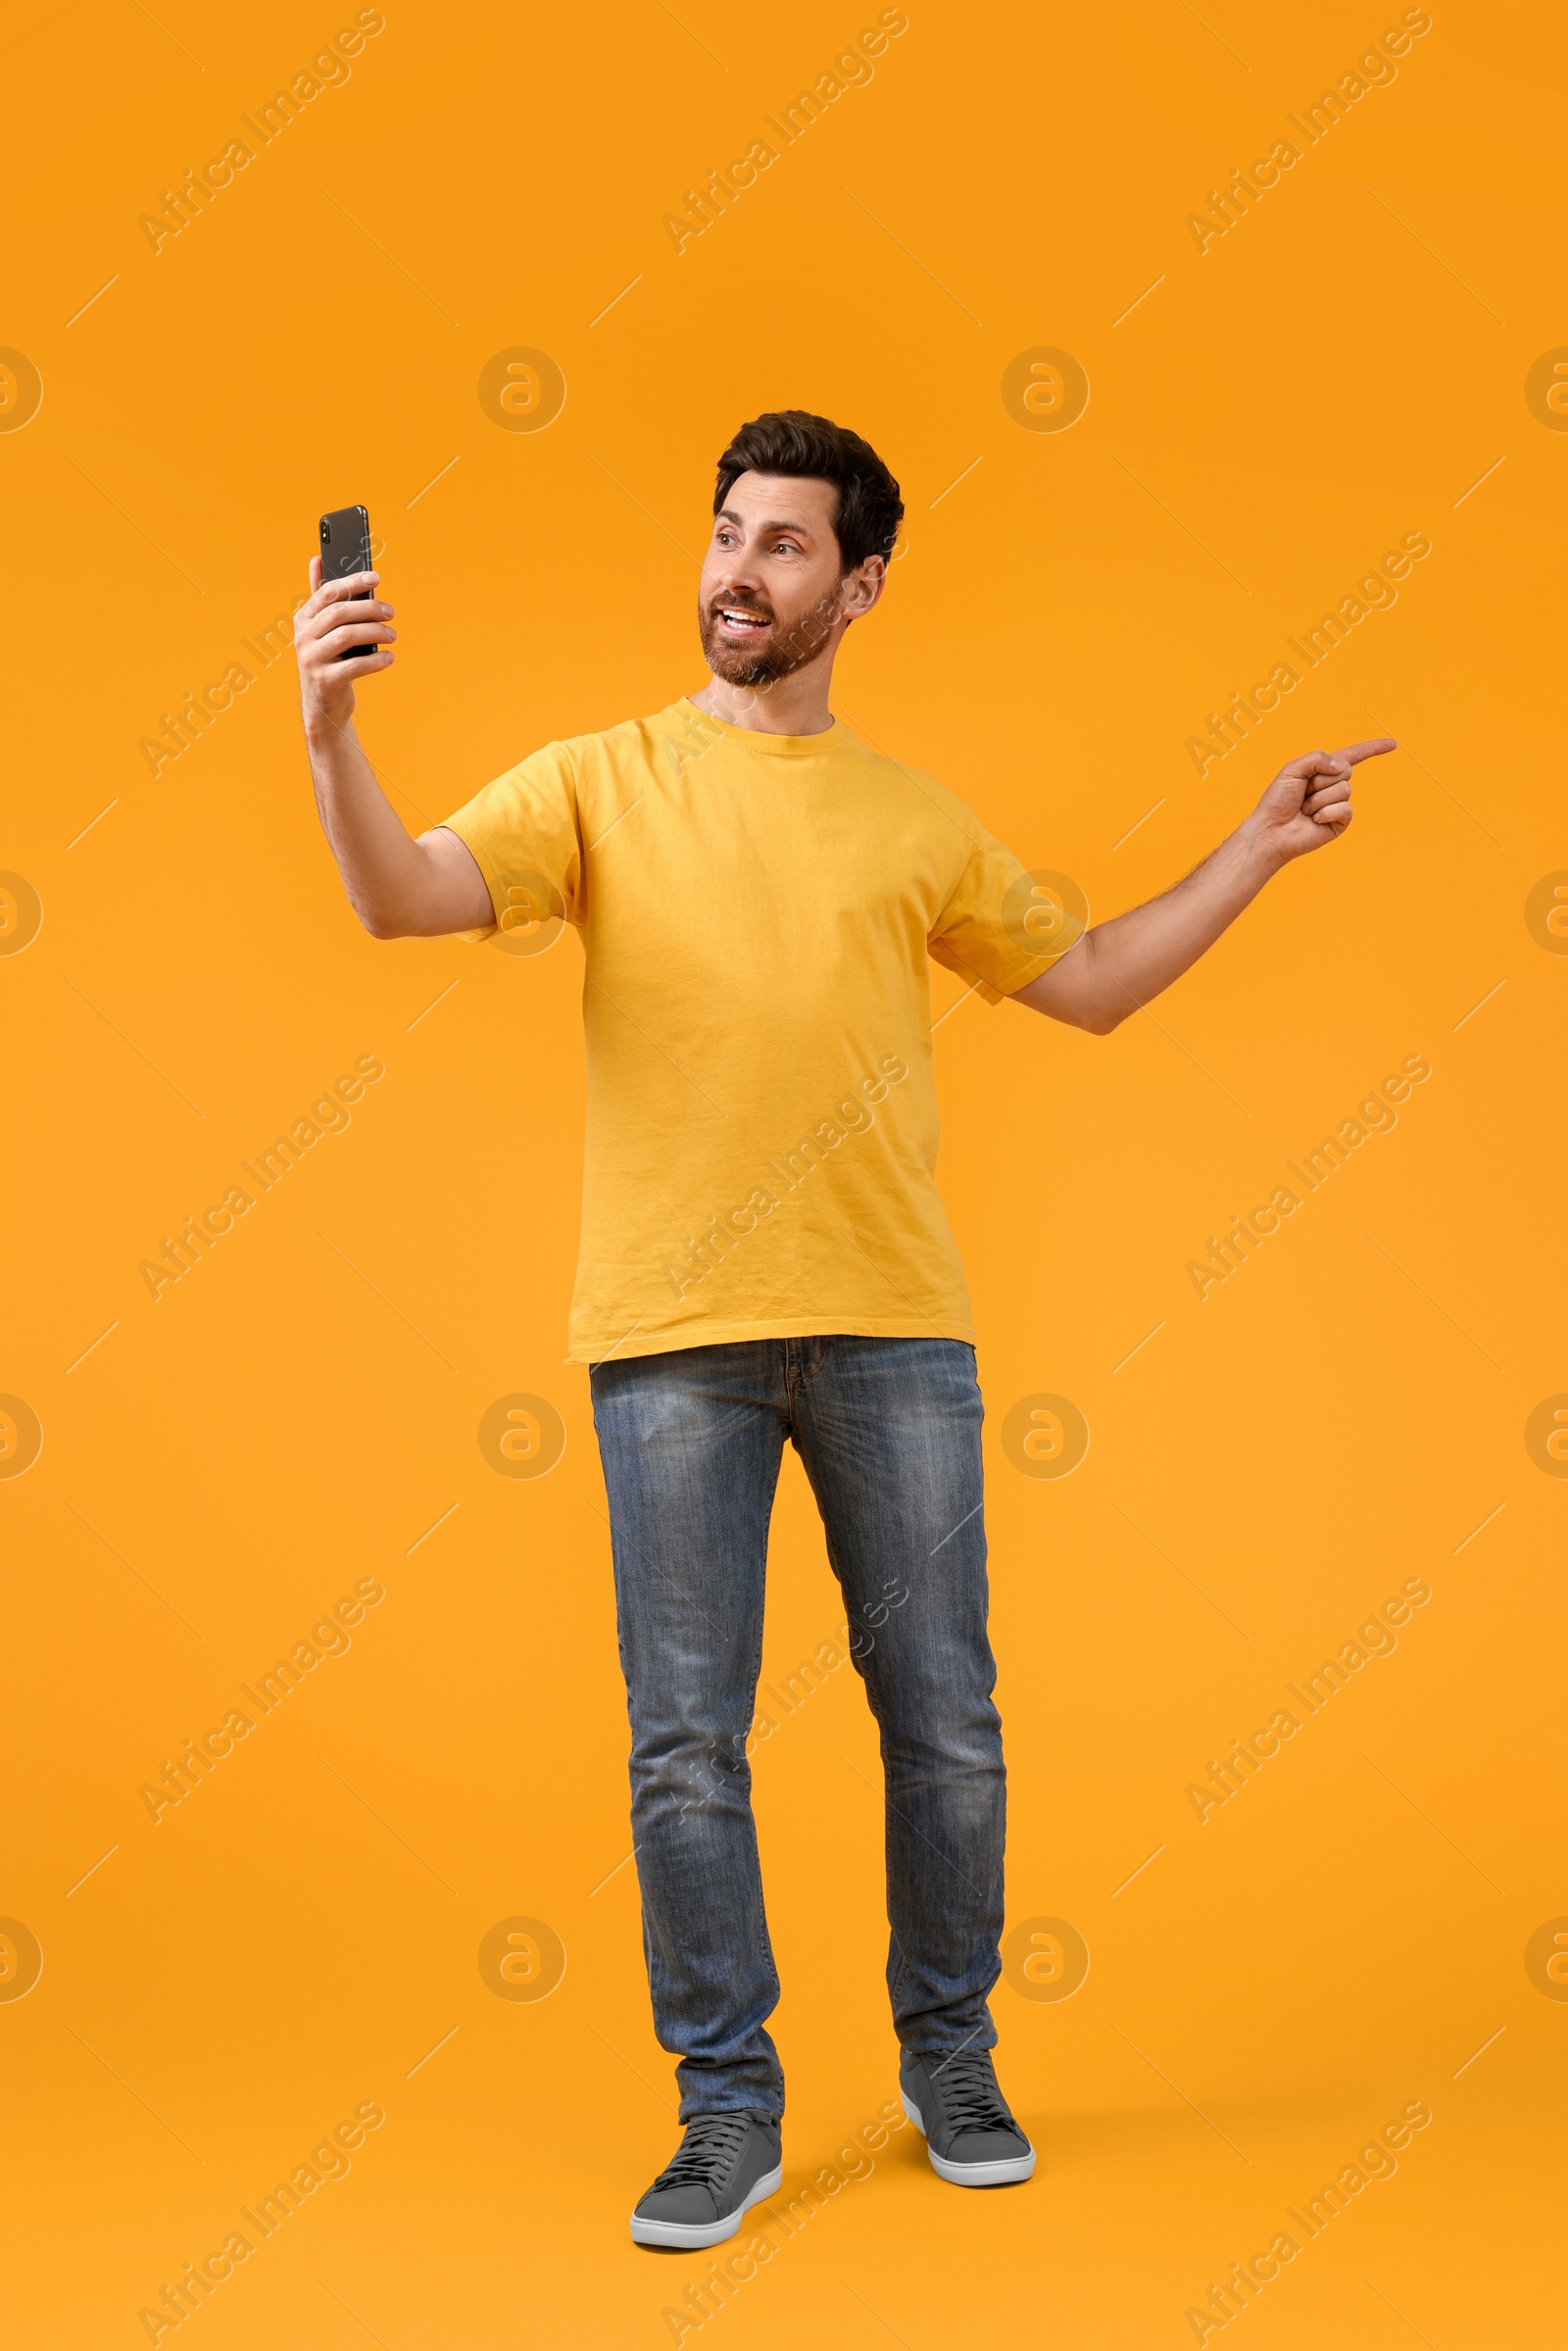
(742, 576)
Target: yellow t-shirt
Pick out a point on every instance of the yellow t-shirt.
(755, 912)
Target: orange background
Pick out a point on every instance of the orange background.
(220, 1467)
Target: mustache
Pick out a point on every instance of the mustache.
(789, 646)
(741, 604)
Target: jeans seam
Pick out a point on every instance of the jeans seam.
(757, 1673)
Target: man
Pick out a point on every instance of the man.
(763, 1252)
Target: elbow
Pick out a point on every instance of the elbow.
(1095, 1001)
(381, 925)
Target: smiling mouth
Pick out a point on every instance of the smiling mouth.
(740, 621)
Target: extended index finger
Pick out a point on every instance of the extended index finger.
(1372, 750)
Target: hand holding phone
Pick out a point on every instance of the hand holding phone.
(331, 629)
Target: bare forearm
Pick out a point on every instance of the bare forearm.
(382, 870)
(399, 887)
(1126, 962)
(1120, 964)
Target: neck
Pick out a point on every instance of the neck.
(796, 704)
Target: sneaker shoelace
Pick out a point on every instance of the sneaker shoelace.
(970, 2098)
(706, 2153)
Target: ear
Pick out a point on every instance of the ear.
(863, 586)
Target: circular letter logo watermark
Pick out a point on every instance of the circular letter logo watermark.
(1545, 912)
(20, 391)
(533, 914)
(20, 914)
(1546, 1436)
(1045, 1959)
(522, 1959)
(1045, 1435)
(523, 1435)
(20, 1960)
(522, 390)
(1547, 1959)
(1040, 910)
(1547, 389)
(21, 1437)
(1044, 390)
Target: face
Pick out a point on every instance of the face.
(773, 595)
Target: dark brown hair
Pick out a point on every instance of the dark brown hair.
(791, 442)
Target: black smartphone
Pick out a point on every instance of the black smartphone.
(345, 550)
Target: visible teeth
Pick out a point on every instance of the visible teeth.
(744, 619)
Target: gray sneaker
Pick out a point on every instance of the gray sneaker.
(969, 2131)
(725, 2164)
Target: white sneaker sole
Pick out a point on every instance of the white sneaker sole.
(970, 2174)
(691, 2235)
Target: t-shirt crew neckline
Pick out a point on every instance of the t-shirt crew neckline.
(776, 747)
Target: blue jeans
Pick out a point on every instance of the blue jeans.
(889, 1432)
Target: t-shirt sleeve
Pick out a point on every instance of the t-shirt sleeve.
(525, 834)
(1002, 925)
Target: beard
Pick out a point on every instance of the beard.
(787, 650)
